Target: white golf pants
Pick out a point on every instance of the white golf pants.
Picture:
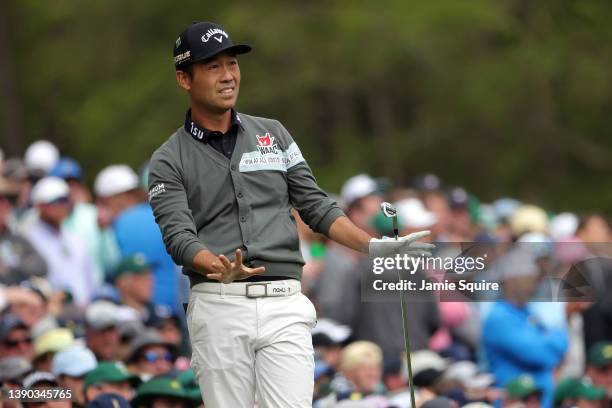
(252, 350)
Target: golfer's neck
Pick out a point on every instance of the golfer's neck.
(219, 121)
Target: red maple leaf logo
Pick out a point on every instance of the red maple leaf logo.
(264, 140)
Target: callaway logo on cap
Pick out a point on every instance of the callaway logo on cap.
(201, 41)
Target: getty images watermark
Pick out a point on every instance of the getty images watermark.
(474, 271)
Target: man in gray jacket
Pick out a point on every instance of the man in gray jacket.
(222, 188)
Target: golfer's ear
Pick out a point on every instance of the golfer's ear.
(183, 80)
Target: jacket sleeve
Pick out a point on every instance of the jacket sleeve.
(168, 198)
(313, 204)
(526, 344)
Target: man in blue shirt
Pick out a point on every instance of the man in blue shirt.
(515, 342)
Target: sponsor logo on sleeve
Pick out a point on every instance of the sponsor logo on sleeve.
(157, 190)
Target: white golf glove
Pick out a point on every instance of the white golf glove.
(385, 246)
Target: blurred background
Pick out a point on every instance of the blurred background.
(504, 98)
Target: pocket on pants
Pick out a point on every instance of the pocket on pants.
(309, 310)
(214, 356)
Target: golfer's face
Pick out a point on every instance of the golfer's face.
(215, 83)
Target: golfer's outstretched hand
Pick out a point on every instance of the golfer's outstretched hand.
(226, 271)
(403, 245)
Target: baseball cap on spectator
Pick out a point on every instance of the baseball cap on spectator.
(466, 372)
(38, 377)
(110, 372)
(427, 367)
(566, 388)
(528, 218)
(165, 387)
(521, 387)
(13, 368)
(49, 190)
(8, 322)
(360, 353)
(101, 314)
(328, 332)
(108, 400)
(458, 197)
(505, 207)
(115, 179)
(53, 341)
(563, 226)
(188, 380)
(413, 214)
(149, 337)
(588, 391)
(539, 244)
(40, 157)
(134, 264)
(600, 354)
(426, 182)
(518, 262)
(75, 361)
(203, 40)
(67, 168)
(357, 187)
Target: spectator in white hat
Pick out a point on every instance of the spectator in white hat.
(40, 157)
(70, 367)
(69, 264)
(118, 190)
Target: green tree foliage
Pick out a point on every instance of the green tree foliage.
(505, 98)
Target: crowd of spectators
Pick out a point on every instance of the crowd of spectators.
(90, 301)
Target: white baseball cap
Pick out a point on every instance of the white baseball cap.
(357, 187)
(41, 156)
(48, 190)
(102, 314)
(74, 361)
(563, 226)
(115, 179)
(413, 214)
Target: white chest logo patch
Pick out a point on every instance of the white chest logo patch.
(269, 156)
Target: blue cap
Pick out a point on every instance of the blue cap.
(67, 168)
(108, 400)
(74, 361)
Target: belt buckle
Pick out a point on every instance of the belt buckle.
(264, 284)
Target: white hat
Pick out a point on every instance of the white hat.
(427, 360)
(74, 361)
(517, 262)
(49, 189)
(337, 332)
(41, 156)
(358, 187)
(563, 226)
(466, 372)
(102, 314)
(115, 179)
(413, 214)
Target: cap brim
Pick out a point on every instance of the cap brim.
(235, 49)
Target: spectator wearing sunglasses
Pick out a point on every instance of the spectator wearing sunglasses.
(69, 265)
(15, 338)
(150, 356)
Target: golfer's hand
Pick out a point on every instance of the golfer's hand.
(227, 272)
(403, 245)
